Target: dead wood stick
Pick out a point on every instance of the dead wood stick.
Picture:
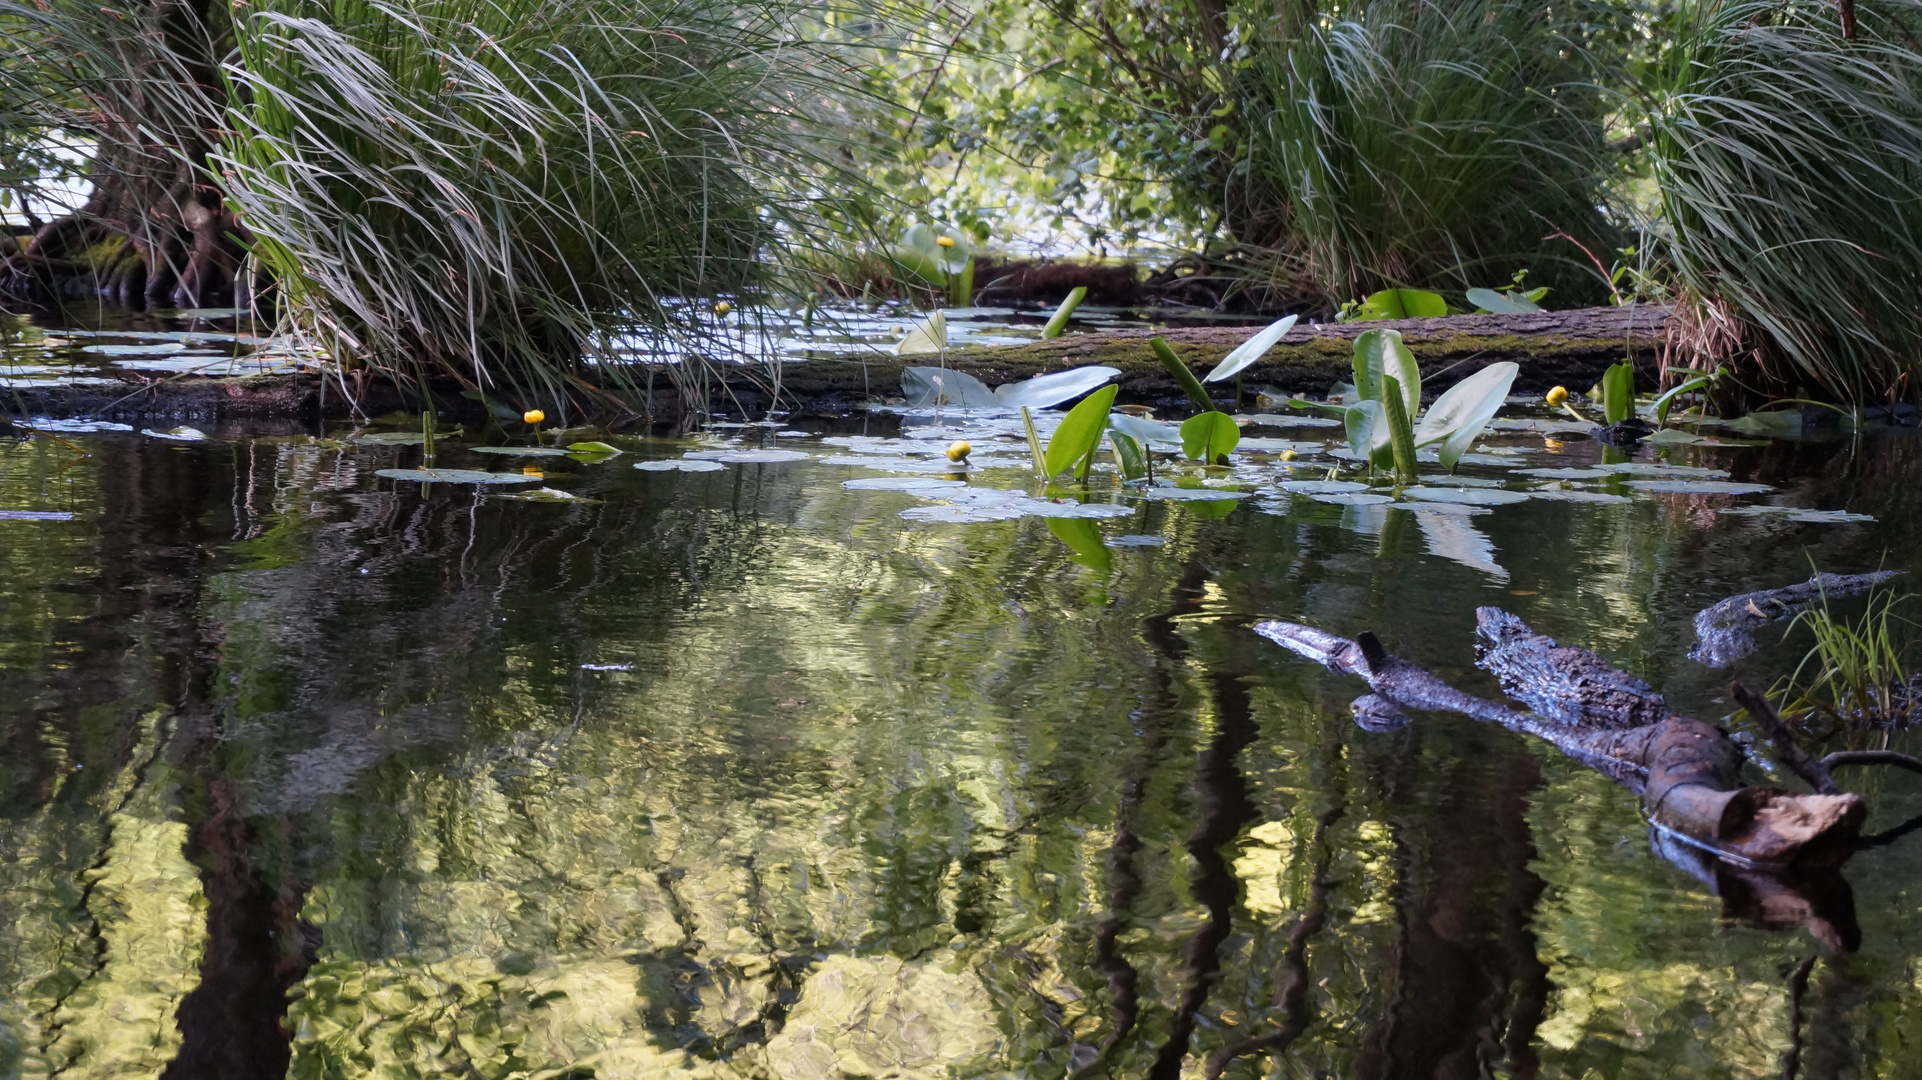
(1872, 757)
(1725, 630)
(1815, 773)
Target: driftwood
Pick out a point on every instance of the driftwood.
(1725, 631)
(1685, 771)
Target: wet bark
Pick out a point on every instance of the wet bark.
(1684, 770)
(1725, 631)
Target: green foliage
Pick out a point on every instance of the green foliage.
(1508, 303)
(1854, 669)
(1401, 430)
(1182, 376)
(1787, 161)
(1131, 458)
(1381, 355)
(1059, 320)
(1079, 434)
(1209, 436)
(494, 188)
(1244, 355)
(1457, 417)
(1667, 400)
(1379, 425)
(1396, 304)
(1409, 144)
(1618, 392)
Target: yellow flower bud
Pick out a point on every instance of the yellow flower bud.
(944, 241)
(960, 451)
(533, 416)
(1287, 455)
(723, 308)
(1558, 395)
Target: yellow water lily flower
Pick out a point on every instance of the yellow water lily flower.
(1287, 455)
(960, 451)
(723, 308)
(533, 416)
(944, 241)
(1558, 395)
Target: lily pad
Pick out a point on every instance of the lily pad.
(546, 494)
(1181, 494)
(1353, 498)
(35, 515)
(961, 515)
(593, 449)
(1590, 473)
(1321, 487)
(1580, 496)
(913, 485)
(456, 476)
(179, 434)
(1795, 513)
(1137, 540)
(1663, 471)
(519, 451)
(1466, 496)
(1699, 487)
(756, 457)
(390, 438)
(679, 465)
(161, 349)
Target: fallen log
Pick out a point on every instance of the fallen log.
(1685, 771)
(1725, 630)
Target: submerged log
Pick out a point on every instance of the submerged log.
(1725, 631)
(1685, 771)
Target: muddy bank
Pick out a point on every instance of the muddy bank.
(1561, 347)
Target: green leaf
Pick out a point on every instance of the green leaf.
(1778, 423)
(1457, 418)
(1059, 320)
(1401, 430)
(1128, 455)
(930, 335)
(1360, 421)
(1209, 435)
(1402, 304)
(1498, 304)
(1184, 377)
(1618, 392)
(1380, 355)
(1080, 430)
(1667, 401)
(1246, 353)
(1083, 537)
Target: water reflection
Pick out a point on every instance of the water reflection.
(735, 773)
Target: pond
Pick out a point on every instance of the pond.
(792, 758)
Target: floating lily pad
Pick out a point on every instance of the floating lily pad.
(1663, 471)
(961, 515)
(1461, 481)
(749, 457)
(1581, 496)
(160, 349)
(518, 451)
(679, 465)
(1795, 513)
(913, 485)
(35, 515)
(1448, 508)
(545, 494)
(1069, 509)
(1466, 496)
(1353, 498)
(1591, 473)
(456, 476)
(1699, 487)
(1320, 487)
(179, 434)
(1181, 494)
(592, 449)
(1134, 540)
(390, 438)
(42, 423)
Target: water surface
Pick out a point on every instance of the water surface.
(740, 773)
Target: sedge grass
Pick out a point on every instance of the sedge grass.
(1854, 669)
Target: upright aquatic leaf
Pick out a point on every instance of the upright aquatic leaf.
(1246, 353)
(1053, 388)
(1499, 304)
(1209, 435)
(1403, 304)
(1080, 431)
(1059, 320)
(1182, 376)
(1380, 355)
(1360, 421)
(1145, 432)
(1457, 418)
(1401, 430)
(1667, 401)
(927, 386)
(1129, 457)
(1618, 392)
(930, 335)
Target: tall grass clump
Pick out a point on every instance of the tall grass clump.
(1789, 162)
(490, 187)
(1408, 143)
(1854, 669)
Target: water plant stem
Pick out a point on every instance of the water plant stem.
(1186, 378)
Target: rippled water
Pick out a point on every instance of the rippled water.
(740, 772)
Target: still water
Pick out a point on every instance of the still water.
(740, 773)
